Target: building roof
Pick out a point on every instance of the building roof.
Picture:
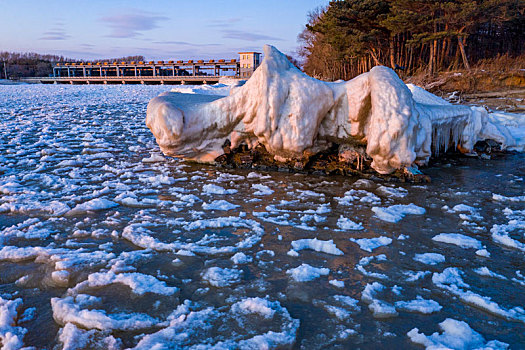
(249, 52)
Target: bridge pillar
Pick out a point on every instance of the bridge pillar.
(182, 82)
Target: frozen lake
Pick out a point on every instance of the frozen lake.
(104, 243)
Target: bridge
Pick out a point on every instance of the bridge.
(152, 72)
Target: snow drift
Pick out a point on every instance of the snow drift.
(295, 116)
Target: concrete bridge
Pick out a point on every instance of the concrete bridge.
(152, 72)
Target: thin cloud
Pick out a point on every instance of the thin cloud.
(56, 33)
(130, 25)
(184, 43)
(247, 36)
(224, 23)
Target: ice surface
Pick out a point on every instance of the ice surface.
(292, 114)
(120, 275)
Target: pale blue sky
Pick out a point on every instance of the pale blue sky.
(157, 29)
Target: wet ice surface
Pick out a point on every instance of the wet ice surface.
(105, 243)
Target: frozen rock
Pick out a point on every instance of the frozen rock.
(294, 116)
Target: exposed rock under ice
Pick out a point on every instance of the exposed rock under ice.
(295, 116)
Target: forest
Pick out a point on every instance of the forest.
(17, 65)
(349, 37)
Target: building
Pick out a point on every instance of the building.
(153, 72)
(249, 61)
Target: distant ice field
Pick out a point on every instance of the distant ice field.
(105, 243)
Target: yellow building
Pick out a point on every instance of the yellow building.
(249, 61)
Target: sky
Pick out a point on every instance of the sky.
(157, 29)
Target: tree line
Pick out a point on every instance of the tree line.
(349, 37)
(29, 64)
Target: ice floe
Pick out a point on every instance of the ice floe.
(317, 245)
(369, 244)
(397, 212)
(456, 335)
(306, 273)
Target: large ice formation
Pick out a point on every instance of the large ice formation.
(294, 116)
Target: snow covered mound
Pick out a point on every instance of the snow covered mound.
(295, 116)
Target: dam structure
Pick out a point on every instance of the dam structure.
(180, 72)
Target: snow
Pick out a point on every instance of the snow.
(369, 244)
(215, 189)
(306, 273)
(292, 114)
(430, 258)
(220, 204)
(346, 224)
(221, 277)
(456, 335)
(485, 271)
(451, 280)
(327, 247)
(420, 305)
(138, 282)
(379, 308)
(254, 306)
(501, 198)
(189, 327)
(241, 258)
(69, 310)
(94, 204)
(337, 283)
(73, 337)
(397, 212)
(261, 190)
(219, 89)
(11, 335)
(458, 239)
